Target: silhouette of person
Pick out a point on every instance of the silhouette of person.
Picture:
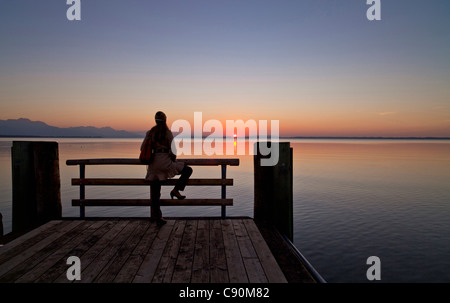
(163, 165)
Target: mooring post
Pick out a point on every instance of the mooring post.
(36, 187)
(1, 228)
(273, 202)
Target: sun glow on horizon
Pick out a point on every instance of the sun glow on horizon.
(318, 69)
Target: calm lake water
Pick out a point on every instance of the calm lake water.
(352, 199)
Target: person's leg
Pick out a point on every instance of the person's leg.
(155, 194)
(181, 182)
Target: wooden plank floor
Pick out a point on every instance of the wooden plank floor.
(135, 250)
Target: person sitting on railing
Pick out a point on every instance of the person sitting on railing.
(163, 165)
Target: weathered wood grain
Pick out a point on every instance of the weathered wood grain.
(185, 250)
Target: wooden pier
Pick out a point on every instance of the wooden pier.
(135, 250)
(205, 250)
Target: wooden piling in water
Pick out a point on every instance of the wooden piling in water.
(273, 202)
(1, 228)
(36, 184)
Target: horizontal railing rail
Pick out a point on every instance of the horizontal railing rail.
(137, 182)
(82, 182)
(147, 202)
(193, 162)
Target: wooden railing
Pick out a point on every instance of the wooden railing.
(82, 182)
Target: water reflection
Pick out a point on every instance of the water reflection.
(352, 199)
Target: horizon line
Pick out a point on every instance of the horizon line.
(246, 137)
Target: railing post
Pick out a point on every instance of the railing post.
(82, 190)
(224, 190)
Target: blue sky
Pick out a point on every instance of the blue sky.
(320, 67)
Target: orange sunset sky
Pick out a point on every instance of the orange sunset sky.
(319, 67)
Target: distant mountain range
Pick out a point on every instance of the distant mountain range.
(27, 128)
